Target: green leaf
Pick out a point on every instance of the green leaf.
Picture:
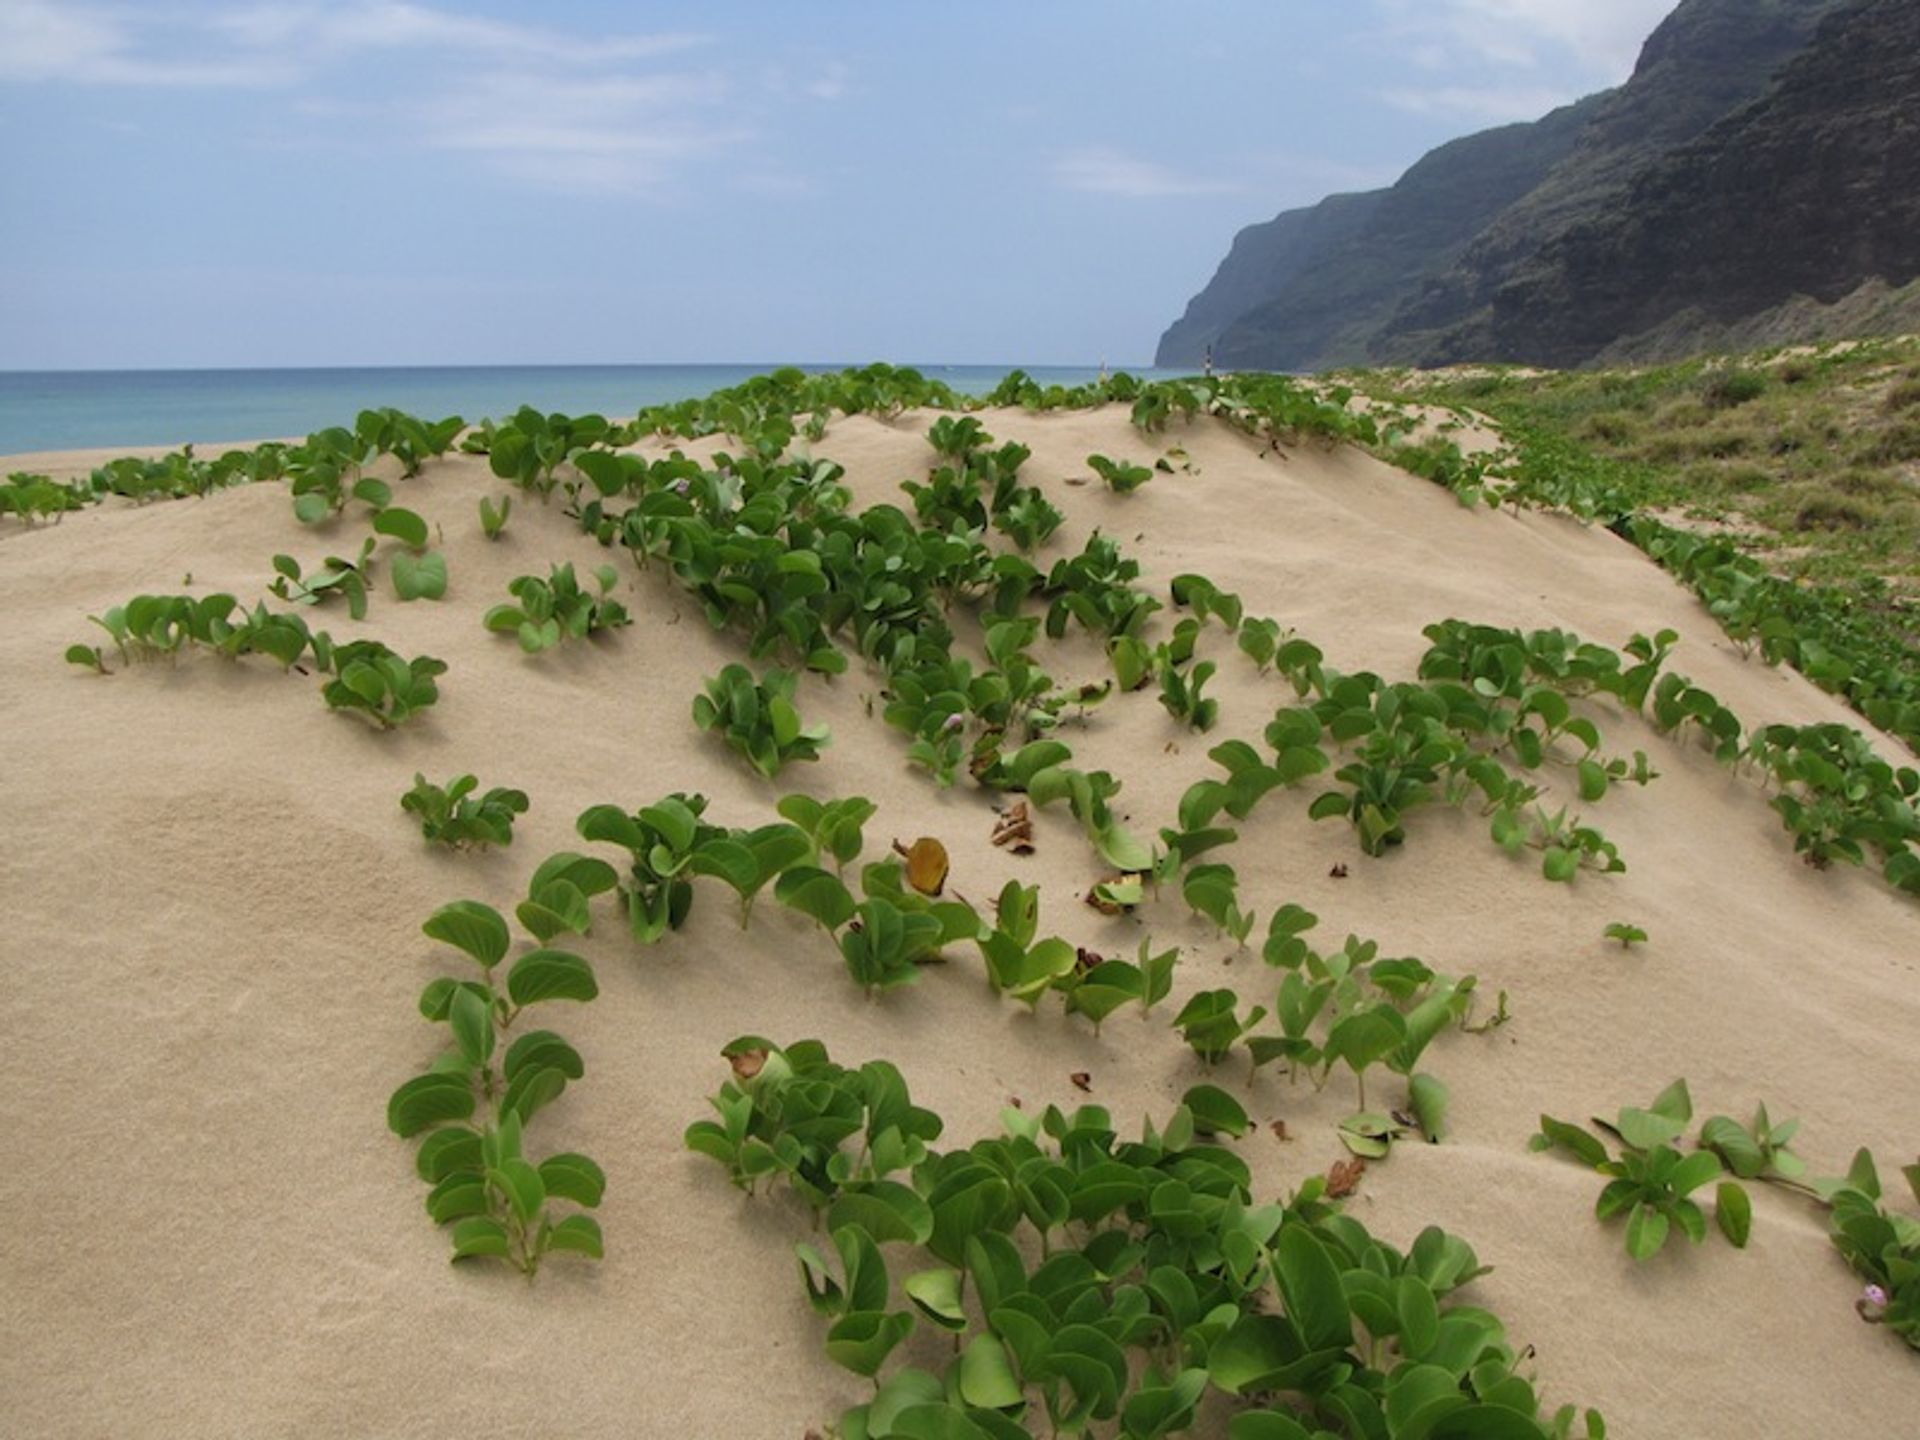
(472, 1020)
(448, 1151)
(579, 1234)
(904, 1389)
(1327, 806)
(1418, 1313)
(427, 1100)
(887, 1210)
(1696, 1170)
(1674, 1102)
(986, 1375)
(937, 1294)
(1215, 1112)
(558, 905)
(1646, 1231)
(1593, 781)
(545, 1049)
(1585, 1147)
(532, 1089)
(1862, 1175)
(403, 525)
(419, 577)
(862, 1341)
(550, 975)
(1429, 1099)
(1733, 1209)
(1310, 1288)
(526, 1193)
(1485, 1422)
(1560, 864)
(1645, 1129)
(474, 928)
(479, 1236)
(574, 1177)
(456, 1197)
(1266, 1425)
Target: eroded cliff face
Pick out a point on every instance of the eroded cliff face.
(1810, 191)
(1707, 59)
(1337, 298)
(1634, 215)
(1265, 258)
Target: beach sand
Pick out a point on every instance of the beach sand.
(212, 956)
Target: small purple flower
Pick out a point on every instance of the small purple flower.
(952, 723)
(1872, 1305)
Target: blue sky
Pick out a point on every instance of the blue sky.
(341, 182)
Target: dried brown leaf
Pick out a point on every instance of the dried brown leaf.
(1343, 1178)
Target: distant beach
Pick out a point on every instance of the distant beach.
(73, 409)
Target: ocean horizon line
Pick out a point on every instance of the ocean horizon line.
(756, 366)
(49, 410)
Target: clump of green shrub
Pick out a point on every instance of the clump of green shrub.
(496, 1200)
(455, 817)
(1731, 388)
(558, 608)
(1090, 1281)
(758, 717)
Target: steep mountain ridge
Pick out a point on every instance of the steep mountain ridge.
(1809, 191)
(1470, 252)
(1343, 264)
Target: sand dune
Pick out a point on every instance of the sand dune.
(213, 952)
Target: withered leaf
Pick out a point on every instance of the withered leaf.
(926, 864)
(1082, 1080)
(1014, 828)
(1344, 1177)
(747, 1063)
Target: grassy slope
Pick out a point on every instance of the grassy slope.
(1809, 455)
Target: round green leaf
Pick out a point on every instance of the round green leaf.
(1733, 1209)
(479, 1236)
(469, 926)
(402, 525)
(574, 1177)
(986, 1375)
(550, 975)
(427, 1100)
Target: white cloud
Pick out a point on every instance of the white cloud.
(43, 41)
(830, 83)
(1584, 44)
(1491, 103)
(1100, 170)
(616, 134)
(584, 113)
(340, 29)
(1605, 38)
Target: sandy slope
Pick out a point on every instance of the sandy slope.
(212, 953)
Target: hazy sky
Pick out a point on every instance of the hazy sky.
(374, 182)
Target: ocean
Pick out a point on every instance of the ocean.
(82, 409)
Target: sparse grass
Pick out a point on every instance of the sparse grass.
(1819, 449)
(1729, 389)
(1902, 397)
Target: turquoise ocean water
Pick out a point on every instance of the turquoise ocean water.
(75, 409)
